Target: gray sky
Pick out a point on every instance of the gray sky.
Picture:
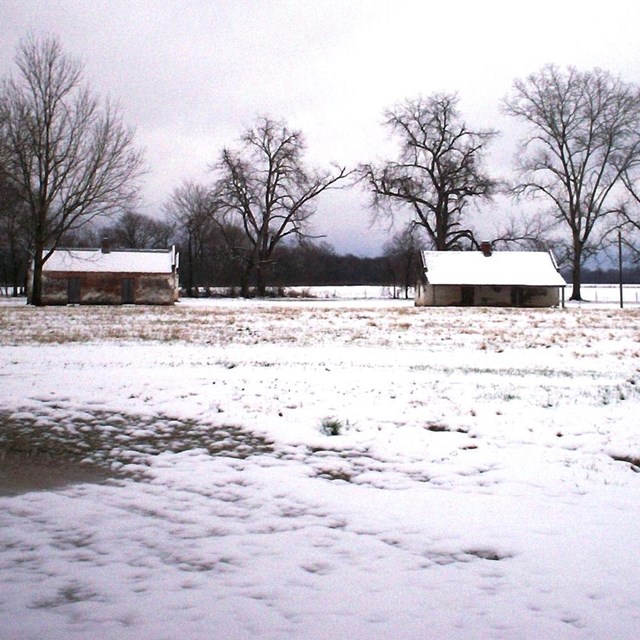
(191, 75)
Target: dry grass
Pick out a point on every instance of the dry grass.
(304, 323)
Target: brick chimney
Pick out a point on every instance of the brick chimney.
(485, 247)
(106, 245)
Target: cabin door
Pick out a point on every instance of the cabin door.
(127, 291)
(74, 290)
(517, 296)
(468, 297)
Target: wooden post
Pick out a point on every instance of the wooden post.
(620, 266)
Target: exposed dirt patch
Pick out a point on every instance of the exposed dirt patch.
(102, 442)
(21, 473)
(634, 461)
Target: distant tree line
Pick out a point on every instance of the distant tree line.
(70, 174)
(610, 276)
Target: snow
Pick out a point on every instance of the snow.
(485, 482)
(501, 268)
(94, 260)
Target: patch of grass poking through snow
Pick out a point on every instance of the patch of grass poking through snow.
(331, 426)
(487, 554)
(437, 427)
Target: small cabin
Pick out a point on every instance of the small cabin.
(489, 278)
(102, 276)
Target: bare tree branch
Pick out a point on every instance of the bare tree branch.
(584, 138)
(402, 252)
(438, 172)
(211, 243)
(265, 184)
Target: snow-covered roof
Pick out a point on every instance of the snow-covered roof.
(94, 260)
(503, 268)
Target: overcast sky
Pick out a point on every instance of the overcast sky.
(190, 76)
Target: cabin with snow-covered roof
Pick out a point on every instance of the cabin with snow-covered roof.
(489, 278)
(103, 276)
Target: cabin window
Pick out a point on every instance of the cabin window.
(127, 291)
(74, 290)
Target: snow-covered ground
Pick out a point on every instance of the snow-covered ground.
(484, 483)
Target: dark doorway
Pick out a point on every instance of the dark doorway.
(517, 296)
(127, 291)
(468, 296)
(74, 290)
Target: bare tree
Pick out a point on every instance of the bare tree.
(190, 206)
(68, 156)
(137, 231)
(584, 136)
(403, 256)
(439, 170)
(630, 218)
(265, 185)
(210, 243)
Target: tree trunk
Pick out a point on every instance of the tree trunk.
(190, 268)
(576, 279)
(36, 282)
(576, 268)
(261, 284)
(38, 251)
(16, 280)
(244, 283)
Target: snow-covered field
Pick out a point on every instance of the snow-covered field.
(484, 483)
